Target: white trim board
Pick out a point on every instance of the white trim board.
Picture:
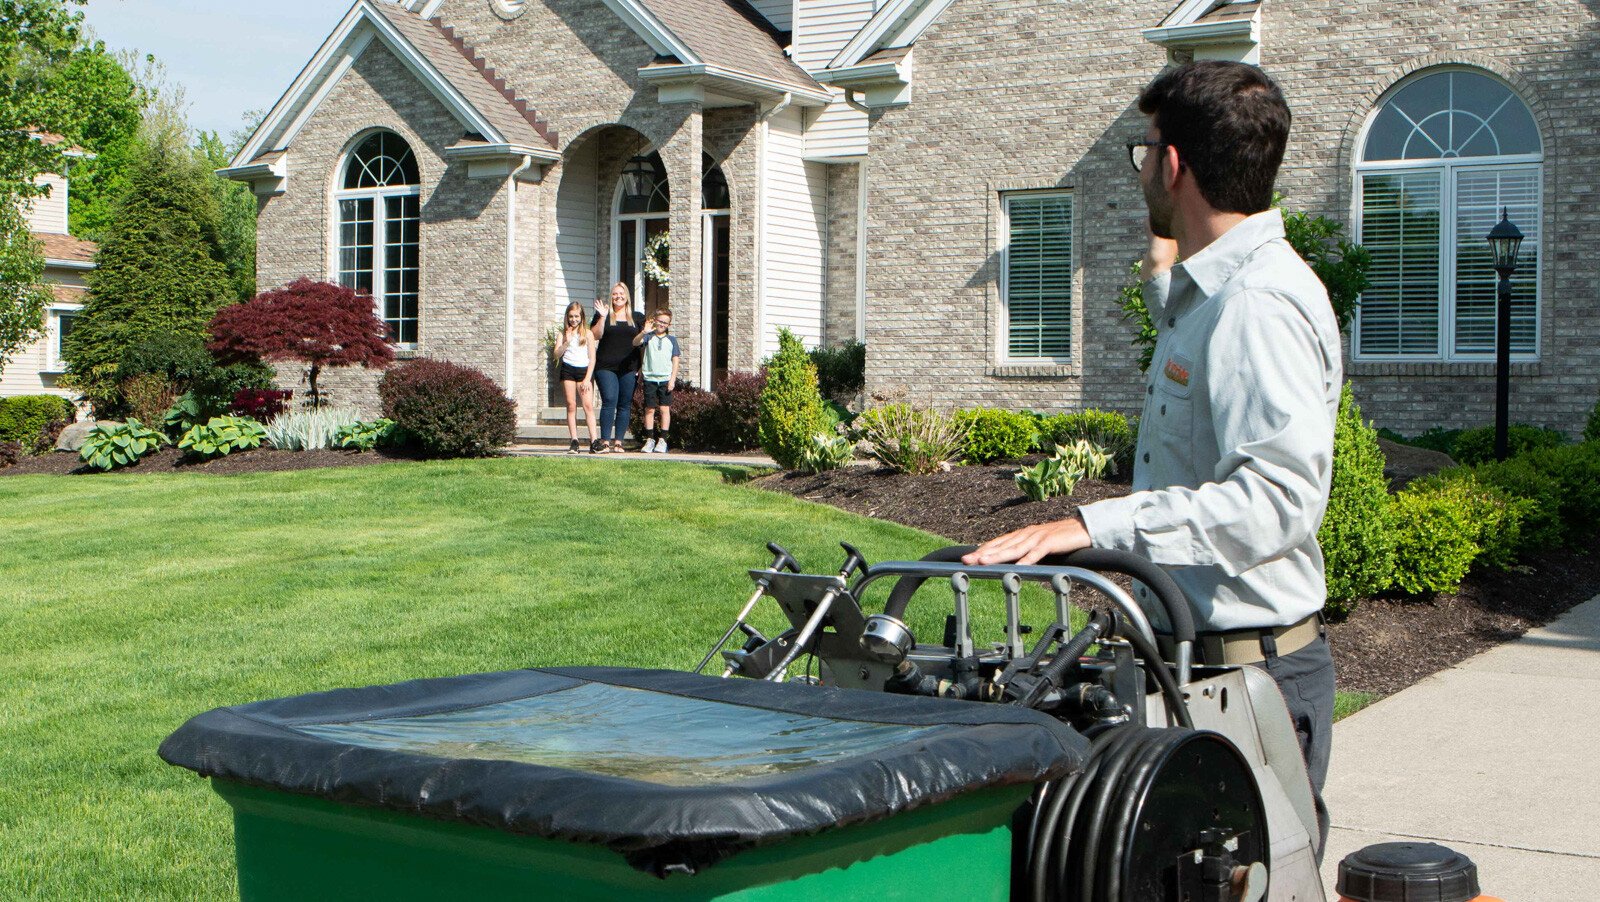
(898, 24)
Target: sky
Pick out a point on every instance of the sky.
(231, 56)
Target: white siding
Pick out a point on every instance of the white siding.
(49, 214)
(822, 28)
(577, 229)
(28, 372)
(795, 233)
(779, 12)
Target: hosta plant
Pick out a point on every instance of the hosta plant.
(826, 452)
(119, 444)
(364, 436)
(221, 436)
(1086, 457)
(1048, 478)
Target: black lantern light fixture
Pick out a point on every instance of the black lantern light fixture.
(638, 181)
(1505, 240)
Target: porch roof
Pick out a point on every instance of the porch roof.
(731, 35)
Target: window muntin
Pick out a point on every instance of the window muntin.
(379, 231)
(1036, 277)
(1442, 157)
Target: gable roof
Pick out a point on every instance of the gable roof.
(440, 60)
(897, 24)
(728, 34)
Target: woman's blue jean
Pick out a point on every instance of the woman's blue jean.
(616, 402)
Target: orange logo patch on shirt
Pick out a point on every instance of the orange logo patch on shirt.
(1177, 373)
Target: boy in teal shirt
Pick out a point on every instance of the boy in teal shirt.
(660, 373)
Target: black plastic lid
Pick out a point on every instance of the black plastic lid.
(1408, 872)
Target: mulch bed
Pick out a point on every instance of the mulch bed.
(171, 460)
(1387, 644)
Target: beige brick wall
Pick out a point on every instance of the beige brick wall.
(463, 264)
(1013, 94)
(839, 311)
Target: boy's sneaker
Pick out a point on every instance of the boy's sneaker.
(661, 446)
(599, 447)
(573, 448)
(649, 446)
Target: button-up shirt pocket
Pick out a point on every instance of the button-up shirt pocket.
(1172, 403)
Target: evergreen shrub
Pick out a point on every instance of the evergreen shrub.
(1496, 515)
(1519, 478)
(24, 417)
(1434, 544)
(448, 410)
(1591, 427)
(996, 434)
(791, 405)
(1574, 470)
(1356, 539)
(148, 396)
(841, 370)
(1476, 446)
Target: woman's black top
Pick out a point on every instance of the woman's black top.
(615, 351)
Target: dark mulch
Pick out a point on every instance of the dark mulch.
(171, 460)
(1384, 646)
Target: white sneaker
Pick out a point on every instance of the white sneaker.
(661, 446)
(649, 446)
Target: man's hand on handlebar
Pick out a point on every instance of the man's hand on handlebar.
(1032, 543)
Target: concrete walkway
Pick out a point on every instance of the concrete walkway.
(751, 459)
(1497, 758)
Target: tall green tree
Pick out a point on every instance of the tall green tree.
(236, 216)
(159, 270)
(36, 37)
(98, 104)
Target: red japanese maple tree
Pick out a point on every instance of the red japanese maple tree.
(319, 324)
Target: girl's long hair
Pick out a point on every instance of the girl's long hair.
(611, 309)
(584, 335)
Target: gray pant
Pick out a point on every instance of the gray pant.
(1306, 680)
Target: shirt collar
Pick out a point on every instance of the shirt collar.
(1216, 263)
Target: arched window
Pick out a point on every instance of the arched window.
(1442, 156)
(380, 230)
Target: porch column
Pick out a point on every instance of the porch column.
(682, 155)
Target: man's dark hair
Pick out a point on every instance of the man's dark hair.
(1229, 123)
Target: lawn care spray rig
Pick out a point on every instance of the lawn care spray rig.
(842, 758)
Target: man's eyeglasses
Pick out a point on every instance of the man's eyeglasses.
(1139, 151)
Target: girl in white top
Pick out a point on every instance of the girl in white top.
(575, 349)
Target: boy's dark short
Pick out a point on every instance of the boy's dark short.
(570, 373)
(657, 394)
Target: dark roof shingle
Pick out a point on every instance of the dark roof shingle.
(65, 247)
(732, 35)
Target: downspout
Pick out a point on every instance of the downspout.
(854, 104)
(761, 223)
(511, 273)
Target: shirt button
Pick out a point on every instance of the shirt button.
(1172, 321)
(1163, 410)
(1149, 389)
(1147, 457)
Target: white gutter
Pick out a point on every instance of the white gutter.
(657, 72)
(1234, 31)
(761, 222)
(511, 274)
(68, 264)
(529, 154)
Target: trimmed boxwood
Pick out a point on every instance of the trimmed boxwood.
(448, 410)
(24, 417)
(996, 434)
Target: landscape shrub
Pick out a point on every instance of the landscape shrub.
(909, 439)
(1087, 458)
(1542, 527)
(45, 441)
(1434, 544)
(1575, 472)
(10, 453)
(1475, 446)
(260, 404)
(1047, 479)
(1106, 428)
(24, 417)
(148, 396)
(221, 436)
(841, 370)
(1591, 426)
(364, 436)
(1356, 537)
(1495, 515)
(738, 411)
(448, 410)
(996, 434)
(311, 429)
(791, 405)
(827, 451)
(185, 363)
(115, 445)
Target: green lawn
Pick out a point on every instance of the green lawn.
(131, 602)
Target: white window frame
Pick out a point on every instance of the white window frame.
(1449, 240)
(636, 290)
(380, 214)
(52, 352)
(1002, 348)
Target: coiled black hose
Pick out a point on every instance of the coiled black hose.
(1081, 826)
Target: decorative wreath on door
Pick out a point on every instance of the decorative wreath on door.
(657, 251)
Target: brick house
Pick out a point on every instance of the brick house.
(36, 367)
(947, 181)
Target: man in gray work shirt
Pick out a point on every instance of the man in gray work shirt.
(1235, 452)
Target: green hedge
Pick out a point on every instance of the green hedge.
(1106, 428)
(791, 404)
(1476, 446)
(1357, 536)
(23, 417)
(996, 434)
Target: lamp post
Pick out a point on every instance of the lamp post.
(1505, 240)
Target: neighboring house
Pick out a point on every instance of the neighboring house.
(946, 180)
(35, 369)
